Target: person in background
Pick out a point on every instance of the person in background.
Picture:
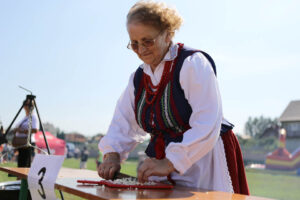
(76, 152)
(2, 153)
(21, 130)
(174, 97)
(84, 158)
(2, 136)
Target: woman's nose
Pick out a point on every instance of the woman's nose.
(141, 49)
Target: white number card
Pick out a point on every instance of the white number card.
(42, 176)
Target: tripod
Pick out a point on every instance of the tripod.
(32, 104)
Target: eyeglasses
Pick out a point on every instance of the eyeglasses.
(145, 43)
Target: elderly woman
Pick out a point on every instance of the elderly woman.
(174, 97)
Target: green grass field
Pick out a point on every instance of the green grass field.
(274, 184)
(264, 183)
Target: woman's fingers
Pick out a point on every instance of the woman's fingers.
(147, 164)
(154, 167)
(141, 171)
(106, 173)
(100, 171)
(146, 174)
(113, 171)
(108, 170)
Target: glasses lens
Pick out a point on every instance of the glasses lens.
(134, 46)
(148, 43)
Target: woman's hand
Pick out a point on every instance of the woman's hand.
(109, 166)
(154, 167)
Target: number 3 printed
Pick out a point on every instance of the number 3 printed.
(42, 171)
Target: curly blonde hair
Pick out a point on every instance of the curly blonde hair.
(156, 14)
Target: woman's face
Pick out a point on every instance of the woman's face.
(26, 106)
(141, 36)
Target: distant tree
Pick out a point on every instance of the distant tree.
(50, 128)
(96, 138)
(61, 135)
(256, 126)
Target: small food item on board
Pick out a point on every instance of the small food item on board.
(128, 183)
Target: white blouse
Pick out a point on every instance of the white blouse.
(24, 123)
(200, 157)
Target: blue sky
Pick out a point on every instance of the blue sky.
(72, 54)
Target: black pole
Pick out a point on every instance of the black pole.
(42, 128)
(61, 194)
(7, 130)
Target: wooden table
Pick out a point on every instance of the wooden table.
(67, 182)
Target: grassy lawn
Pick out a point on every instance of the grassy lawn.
(264, 183)
(274, 184)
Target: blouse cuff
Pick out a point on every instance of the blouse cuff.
(109, 149)
(179, 159)
(105, 149)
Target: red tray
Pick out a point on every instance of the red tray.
(110, 184)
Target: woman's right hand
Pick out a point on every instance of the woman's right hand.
(109, 166)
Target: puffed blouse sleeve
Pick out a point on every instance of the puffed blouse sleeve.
(123, 133)
(35, 124)
(200, 87)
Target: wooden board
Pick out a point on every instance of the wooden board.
(156, 185)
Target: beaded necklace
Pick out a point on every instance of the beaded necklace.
(153, 90)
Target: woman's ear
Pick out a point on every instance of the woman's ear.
(169, 36)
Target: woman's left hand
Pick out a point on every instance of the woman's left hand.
(154, 167)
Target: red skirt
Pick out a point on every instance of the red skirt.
(235, 163)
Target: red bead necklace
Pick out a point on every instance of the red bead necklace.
(152, 90)
(155, 89)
